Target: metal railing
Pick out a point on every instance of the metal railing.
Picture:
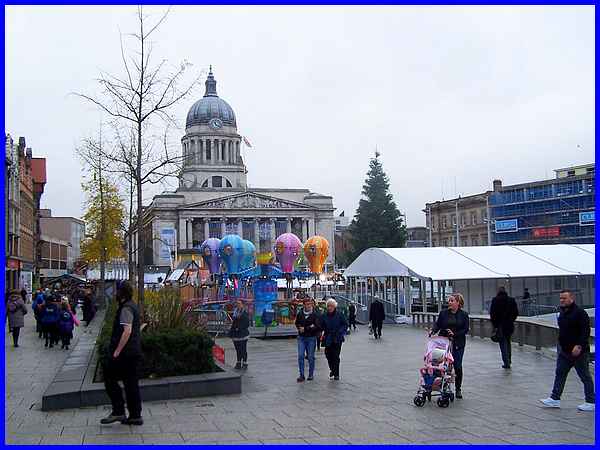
(528, 331)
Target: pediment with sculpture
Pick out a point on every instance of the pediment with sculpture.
(248, 200)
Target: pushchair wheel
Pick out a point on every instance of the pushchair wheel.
(419, 400)
(452, 397)
(443, 402)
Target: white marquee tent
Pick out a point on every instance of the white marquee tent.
(476, 271)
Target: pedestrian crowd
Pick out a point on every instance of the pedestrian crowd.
(55, 313)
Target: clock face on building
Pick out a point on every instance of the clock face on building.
(215, 124)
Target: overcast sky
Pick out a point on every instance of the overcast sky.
(452, 97)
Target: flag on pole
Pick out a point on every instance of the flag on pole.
(246, 142)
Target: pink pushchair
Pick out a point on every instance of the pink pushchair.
(436, 377)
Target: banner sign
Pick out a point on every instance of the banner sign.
(167, 242)
(587, 218)
(505, 226)
(546, 232)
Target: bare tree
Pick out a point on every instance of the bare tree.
(138, 101)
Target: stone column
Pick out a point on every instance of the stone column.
(240, 228)
(206, 228)
(288, 225)
(182, 233)
(189, 240)
(223, 231)
(272, 230)
(311, 227)
(256, 234)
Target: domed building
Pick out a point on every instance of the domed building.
(213, 198)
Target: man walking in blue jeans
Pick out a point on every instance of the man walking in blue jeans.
(308, 329)
(573, 351)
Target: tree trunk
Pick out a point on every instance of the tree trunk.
(130, 259)
(139, 224)
(102, 236)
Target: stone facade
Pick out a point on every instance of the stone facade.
(213, 198)
(467, 214)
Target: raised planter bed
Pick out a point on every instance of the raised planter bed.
(74, 386)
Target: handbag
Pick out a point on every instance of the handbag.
(497, 335)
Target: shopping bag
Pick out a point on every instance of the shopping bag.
(218, 353)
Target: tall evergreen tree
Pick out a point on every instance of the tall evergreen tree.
(377, 222)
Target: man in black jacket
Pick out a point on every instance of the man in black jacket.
(573, 351)
(503, 313)
(125, 352)
(307, 323)
(376, 317)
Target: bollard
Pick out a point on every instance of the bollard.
(521, 334)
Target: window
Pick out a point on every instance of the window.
(590, 169)
(444, 221)
(464, 243)
(63, 265)
(474, 241)
(434, 243)
(445, 242)
(205, 184)
(483, 215)
(217, 182)
(473, 218)
(228, 183)
(571, 173)
(453, 220)
(463, 220)
(433, 222)
(208, 145)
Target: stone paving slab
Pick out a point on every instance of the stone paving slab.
(372, 403)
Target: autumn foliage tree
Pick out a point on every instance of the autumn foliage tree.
(104, 218)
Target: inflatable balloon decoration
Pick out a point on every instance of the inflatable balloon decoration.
(247, 265)
(231, 249)
(316, 250)
(287, 250)
(210, 254)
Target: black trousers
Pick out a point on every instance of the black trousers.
(126, 370)
(319, 340)
(51, 334)
(15, 333)
(352, 322)
(377, 326)
(241, 350)
(505, 350)
(564, 364)
(332, 353)
(66, 339)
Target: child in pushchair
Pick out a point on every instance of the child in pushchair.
(436, 376)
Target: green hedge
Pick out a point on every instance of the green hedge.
(184, 350)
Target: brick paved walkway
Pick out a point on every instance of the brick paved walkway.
(371, 404)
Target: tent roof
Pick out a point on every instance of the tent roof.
(468, 263)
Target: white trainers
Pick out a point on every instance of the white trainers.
(550, 402)
(587, 407)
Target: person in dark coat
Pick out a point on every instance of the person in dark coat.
(122, 362)
(239, 334)
(573, 351)
(454, 323)
(37, 305)
(24, 295)
(66, 324)
(352, 317)
(88, 308)
(334, 328)
(16, 311)
(503, 313)
(376, 317)
(49, 317)
(307, 323)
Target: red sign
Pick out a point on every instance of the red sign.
(13, 264)
(546, 232)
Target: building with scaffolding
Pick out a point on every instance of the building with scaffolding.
(559, 210)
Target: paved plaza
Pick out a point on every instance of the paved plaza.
(372, 403)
